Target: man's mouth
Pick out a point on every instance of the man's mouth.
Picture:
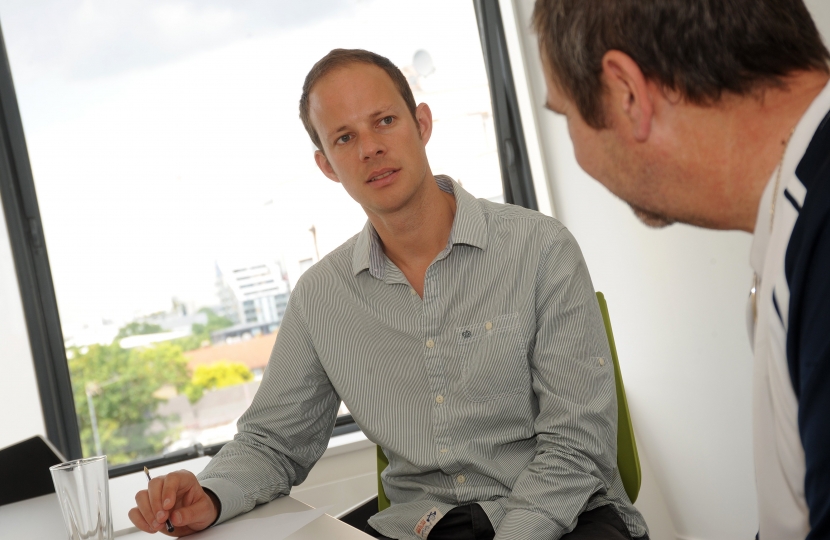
(382, 175)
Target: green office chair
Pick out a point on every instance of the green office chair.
(383, 500)
(628, 461)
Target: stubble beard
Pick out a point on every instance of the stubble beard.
(652, 219)
(646, 179)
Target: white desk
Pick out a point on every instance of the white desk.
(40, 519)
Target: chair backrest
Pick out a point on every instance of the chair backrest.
(628, 460)
(383, 500)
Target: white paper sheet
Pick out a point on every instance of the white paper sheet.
(276, 527)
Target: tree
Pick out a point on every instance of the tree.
(216, 375)
(120, 384)
(215, 322)
(200, 333)
(136, 328)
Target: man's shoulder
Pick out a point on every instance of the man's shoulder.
(519, 218)
(528, 231)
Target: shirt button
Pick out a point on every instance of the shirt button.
(488, 325)
(443, 450)
(461, 479)
(439, 399)
(430, 344)
(602, 361)
(412, 291)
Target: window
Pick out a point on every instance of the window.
(178, 194)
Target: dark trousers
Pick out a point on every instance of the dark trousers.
(467, 522)
(471, 523)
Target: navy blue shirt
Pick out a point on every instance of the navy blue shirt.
(807, 269)
(791, 336)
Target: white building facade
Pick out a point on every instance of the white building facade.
(253, 292)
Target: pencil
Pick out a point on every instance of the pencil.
(170, 527)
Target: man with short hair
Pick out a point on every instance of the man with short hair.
(463, 335)
(715, 113)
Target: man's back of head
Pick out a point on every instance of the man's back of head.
(698, 48)
(654, 90)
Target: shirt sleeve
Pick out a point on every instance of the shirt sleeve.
(814, 383)
(285, 430)
(573, 378)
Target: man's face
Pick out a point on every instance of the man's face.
(371, 144)
(611, 157)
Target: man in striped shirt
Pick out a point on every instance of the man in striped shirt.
(716, 113)
(463, 335)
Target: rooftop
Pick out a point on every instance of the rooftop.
(253, 352)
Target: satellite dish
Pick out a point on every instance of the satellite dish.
(422, 62)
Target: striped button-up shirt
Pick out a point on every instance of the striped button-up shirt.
(496, 387)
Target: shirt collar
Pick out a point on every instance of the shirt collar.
(469, 227)
(799, 141)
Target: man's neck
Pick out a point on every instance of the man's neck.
(751, 135)
(414, 235)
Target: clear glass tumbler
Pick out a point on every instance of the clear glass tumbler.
(83, 492)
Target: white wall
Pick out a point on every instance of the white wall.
(20, 413)
(677, 300)
(820, 10)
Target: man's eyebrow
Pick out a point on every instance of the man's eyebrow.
(373, 115)
(382, 111)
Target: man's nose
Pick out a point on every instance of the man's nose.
(371, 146)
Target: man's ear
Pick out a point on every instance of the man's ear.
(324, 165)
(423, 117)
(629, 96)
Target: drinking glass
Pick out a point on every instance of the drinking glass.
(82, 487)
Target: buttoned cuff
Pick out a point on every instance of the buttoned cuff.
(526, 525)
(231, 498)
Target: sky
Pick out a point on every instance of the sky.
(164, 136)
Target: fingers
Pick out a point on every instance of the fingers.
(180, 490)
(139, 521)
(154, 489)
(198, 515)
(170, 489)
(142, 515)
(165, 490)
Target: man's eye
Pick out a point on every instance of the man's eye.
(344, 139)
(387, 121)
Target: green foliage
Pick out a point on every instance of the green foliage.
(217, 375)
(122, 383)
(191, 342)
(215, 322)
(201, 332)
(125, 384)
(138, 329)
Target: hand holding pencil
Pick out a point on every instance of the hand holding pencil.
(169, 525)
(175, 505)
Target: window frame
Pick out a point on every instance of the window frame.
(516, 177)
(34, 276)
(37, 292)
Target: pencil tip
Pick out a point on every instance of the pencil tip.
(146, 470)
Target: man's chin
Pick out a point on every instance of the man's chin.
(651, 219)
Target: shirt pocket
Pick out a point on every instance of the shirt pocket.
(493, 358)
